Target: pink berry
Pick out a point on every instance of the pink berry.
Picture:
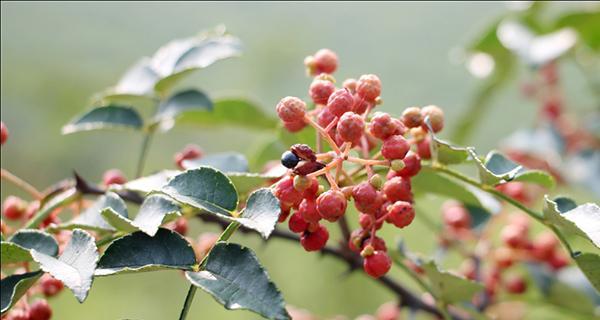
(308, 210)
(351, 127)
(3, 133)
(504, 257)
(189, 152)
(412, 117)
(388, 311)
(315, 240)
(14, 208)
(377, 264)
(181, 226)
(516, 284)
(320, 90)
(113, 176)
(544, 245)
(324, 61)
(366, 198)
(204, 244)
(40, 310)
(325, 117)
(558, 261)
(383, 126)
(401, 213)
(360, 105)
(456, 216)
(51, 286)
(340, 102)
(395, 147)
(291, 109)
(294, 126)
(368, 87)
(331, 205)
(350, 84)
(285, 192)
(514, 236)
(436, 117)
(515, 190)
(424, 148)
(297, 224)
(18, 314)
(412, 165)
(398, 189)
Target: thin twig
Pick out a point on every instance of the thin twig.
(8, 176)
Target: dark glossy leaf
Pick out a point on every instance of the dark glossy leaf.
(232, 112)
(152, 182)
(204, 188)
(261, 212)
(226, 162)
(155, 211)
(16, 249)
(139, 252)
(13, 287)
(91, 218)
(583, 220)
(107, 117)
(589, 263)
(235, 278)
(183, 101)
(448, 287)
(75, 266)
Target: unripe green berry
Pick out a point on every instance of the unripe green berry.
(367, 251)
(301, 183)
(376, 181)
(397, 165)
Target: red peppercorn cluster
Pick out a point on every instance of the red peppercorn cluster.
(320, 183)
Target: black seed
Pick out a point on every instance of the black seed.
(289, 160)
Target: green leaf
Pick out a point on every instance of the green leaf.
(204, 188)
(92, 219)
(586, 24)
(192, 54)
(181, 102)
(139, 252)
(589, 263)
(13, 287)
(445, 152)
(261, 212)
(538, 177)
(154, 211)
(236, 112)
(448, 287)
(107, 117)
(138, 80)
(152, 182)
(16, 249)
(235, 278)
(226, 162)
(480, 205)
(583, 220)
(75, 266)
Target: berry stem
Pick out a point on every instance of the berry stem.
(323, 134)
(369, 162)
(331, 181)
(8, 176)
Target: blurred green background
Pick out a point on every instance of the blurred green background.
(55, 56)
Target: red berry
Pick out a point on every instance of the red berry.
(412, 118)
(398, 189)
(285, 212)
(424, 148)
(378, 244)
(368, 87)
(544, 246)
(340, 102)
(504, 257)
(297, 224)
(189, 152)
(360, 105)
(350, 84)
(40, 310)
(14, 208)
(308, 210)
(366, 198)
(331, 205)
(113, 176)
(316, 240)
(181, 226)
(291, 109)
(285, 192)
(412, 165)
(3, 133)
(514, 236)
(324, 61)
(456, 216)
(325, 117)
(383, 126)
(395, 147)
(320, 90)
(351, 127)
(515, 284)
(294, 126)
(436, 117)
(401, 213)
(515, 190)
(558, 261)
(377, 264)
